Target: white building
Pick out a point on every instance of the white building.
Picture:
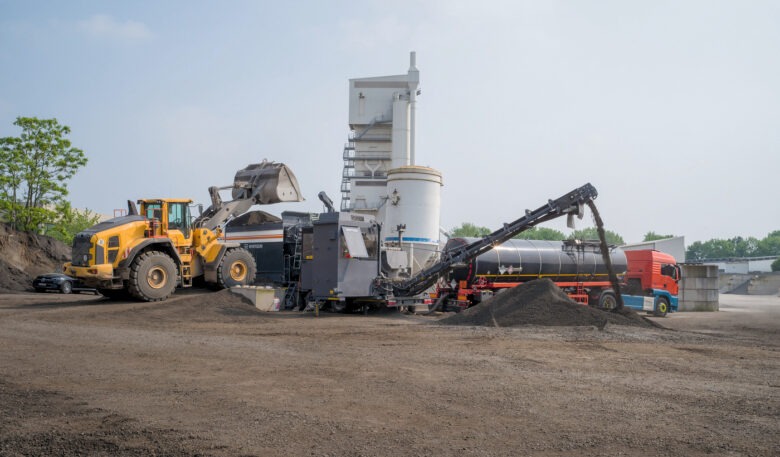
(674, 246)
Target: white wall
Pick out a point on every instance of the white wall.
(672, 246)
(745, 266)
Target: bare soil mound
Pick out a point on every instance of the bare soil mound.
(541, 302)
(23, 256)
(201, 306)
(223, 303)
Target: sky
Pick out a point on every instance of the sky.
(671, 109)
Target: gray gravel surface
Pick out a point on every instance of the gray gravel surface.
(204, 374)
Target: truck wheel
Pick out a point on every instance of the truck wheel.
(66, 287)
(152, 276)
(661, 307)
(236, 269)
(607, 300)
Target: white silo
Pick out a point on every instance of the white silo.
(412, 216)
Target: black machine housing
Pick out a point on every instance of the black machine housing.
(341, 257)
(274, 242)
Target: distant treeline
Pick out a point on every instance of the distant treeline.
(699, 250)
(735, 247)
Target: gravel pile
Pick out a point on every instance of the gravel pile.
(194, 306)
(541, 302)
(224, 302)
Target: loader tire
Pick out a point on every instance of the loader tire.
(237, 268)
(152, 276)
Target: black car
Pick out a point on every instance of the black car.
(60, 282)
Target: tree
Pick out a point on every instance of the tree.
(70, 222)
(776, 265)
(541, 233)
(652, 236)
(34, 170)
(695, 252)
(735, 247)
(591, 233)
(467, 229)
(745, 247)
(770, 245)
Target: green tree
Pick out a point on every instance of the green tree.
(652, 236)
(745, 247)
(467, 229)
(70, 222)
(770, 245)
(738, 246)
(590, 233)
(695, 252)
(34, 170)
(776, 265)
(541, 233)
(710, 249)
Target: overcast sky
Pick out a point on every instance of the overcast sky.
(670, 108)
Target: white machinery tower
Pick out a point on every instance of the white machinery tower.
(382, 124)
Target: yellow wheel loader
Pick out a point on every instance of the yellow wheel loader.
(158, 246)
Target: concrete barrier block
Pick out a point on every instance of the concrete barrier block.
(699, 271)
(262, 297)
(700, 295)
(700, 283)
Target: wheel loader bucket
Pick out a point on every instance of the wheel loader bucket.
(266, 183)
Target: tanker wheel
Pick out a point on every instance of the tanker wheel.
(237, 268)
(661, 307)
(607, 300)
(152, 276)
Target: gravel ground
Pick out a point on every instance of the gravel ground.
(84, 376)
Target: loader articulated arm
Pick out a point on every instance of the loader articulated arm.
(571, 204)
(258, 184)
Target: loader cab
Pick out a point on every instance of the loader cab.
(168, 218)
(179, 218)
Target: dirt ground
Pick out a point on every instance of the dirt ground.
(80, 375)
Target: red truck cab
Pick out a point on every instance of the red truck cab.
(649, 269)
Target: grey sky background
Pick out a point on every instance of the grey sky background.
(671, 109)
